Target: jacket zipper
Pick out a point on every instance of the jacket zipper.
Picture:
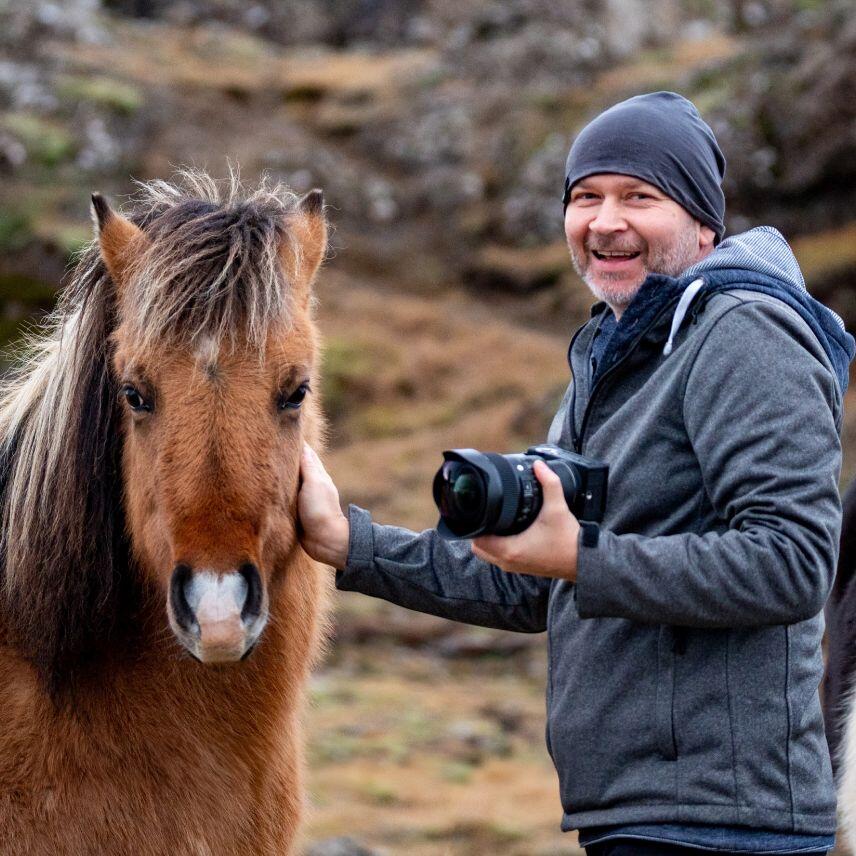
(573, 405)
(679, 643)
(578, 439)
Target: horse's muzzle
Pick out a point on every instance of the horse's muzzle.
(218, 617)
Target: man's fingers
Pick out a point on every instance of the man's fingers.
(551, 485)
(310, 463)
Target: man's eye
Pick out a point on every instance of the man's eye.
(293, 401)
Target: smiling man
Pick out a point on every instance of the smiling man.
(685, 630)
(620, 229)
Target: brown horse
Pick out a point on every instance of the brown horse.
(158, 617)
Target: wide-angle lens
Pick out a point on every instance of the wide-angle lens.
(463, 496)
(468, 492)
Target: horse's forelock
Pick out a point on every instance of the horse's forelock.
(213, 266)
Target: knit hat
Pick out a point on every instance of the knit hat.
(662, 139)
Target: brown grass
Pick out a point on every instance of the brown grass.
(406, 776)
(238, 63)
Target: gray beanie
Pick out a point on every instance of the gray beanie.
(662, 139)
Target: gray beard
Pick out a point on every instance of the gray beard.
(671, 261)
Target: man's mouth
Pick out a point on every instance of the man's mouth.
(614, 256)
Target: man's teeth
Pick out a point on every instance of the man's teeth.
(615, 255)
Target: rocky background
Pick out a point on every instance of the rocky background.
(438, 131)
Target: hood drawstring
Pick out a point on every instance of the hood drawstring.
(681, 310)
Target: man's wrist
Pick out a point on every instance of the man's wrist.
(331, 547)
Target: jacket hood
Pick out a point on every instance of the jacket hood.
(761, 260)
(762, 250)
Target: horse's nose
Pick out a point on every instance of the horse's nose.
(217, 616)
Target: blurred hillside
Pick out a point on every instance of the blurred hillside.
(438, 130)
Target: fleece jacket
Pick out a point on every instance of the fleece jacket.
(685, 659)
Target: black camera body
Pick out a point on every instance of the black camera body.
(484, 493)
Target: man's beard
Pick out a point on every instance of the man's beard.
(614, 288)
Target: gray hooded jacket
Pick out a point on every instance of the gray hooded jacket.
(684, 663)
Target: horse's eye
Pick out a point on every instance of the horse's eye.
(135, 401)
(293, 401)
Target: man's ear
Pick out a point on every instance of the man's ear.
(706, 237)
(120, 240)
(304, 244)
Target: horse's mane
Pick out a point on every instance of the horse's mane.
(211, 270)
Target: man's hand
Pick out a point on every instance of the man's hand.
(324, 530)
(548, 548)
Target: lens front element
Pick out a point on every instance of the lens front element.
(463, 494)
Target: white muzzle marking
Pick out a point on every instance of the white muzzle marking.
(217, 601)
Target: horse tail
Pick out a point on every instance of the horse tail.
(841, 634)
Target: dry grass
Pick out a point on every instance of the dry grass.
(423, 375)
(827, 252)
(417, 756)
(411, 752)
(237, 63)
(662, 67)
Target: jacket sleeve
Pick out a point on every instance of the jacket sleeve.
(424, 572)
(762, 411)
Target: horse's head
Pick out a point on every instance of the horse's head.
(215, 361)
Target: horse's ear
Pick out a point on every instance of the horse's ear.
(305, 244)
(120, 239)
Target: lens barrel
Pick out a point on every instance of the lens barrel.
(481, 493)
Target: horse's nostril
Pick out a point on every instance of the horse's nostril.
(177, 592)
(253, 604)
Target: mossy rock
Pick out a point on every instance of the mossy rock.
(116, 95)
(47, 143)
(16, 230)
(348, 371)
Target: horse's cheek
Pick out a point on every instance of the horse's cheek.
(141, 498)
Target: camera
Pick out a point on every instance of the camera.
(484, 493)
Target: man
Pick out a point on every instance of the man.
(685, 630)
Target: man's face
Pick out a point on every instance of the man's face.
(620, 229)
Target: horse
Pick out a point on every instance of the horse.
(158, 617)
(839, 687)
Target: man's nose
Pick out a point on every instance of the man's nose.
(609, 218)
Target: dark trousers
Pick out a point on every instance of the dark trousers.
(632, 847)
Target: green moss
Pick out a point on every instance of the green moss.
(379, 793)
(72, 240)
(487, 834)
(304, 93)
(713, 98)
(24, 289)
(457, 773)
(545, 100)
(47, 143)
(115, 95)
(16, 230)
(335, 748)
(344, 365)
(433, 78)
(380, 420)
